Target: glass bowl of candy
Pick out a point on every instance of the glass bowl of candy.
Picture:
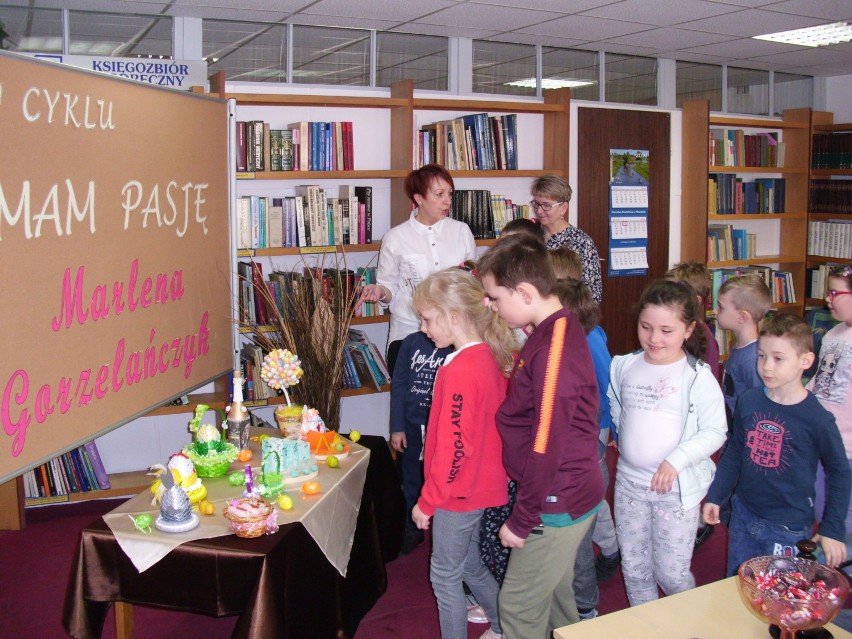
(791, 592)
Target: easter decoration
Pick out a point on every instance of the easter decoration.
(183, 472)
(282, 369)
(323, 442)
(175, 510)
(285, 462)
(251, 517)
(211, 455)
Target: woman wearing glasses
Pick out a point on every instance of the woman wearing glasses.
(551, 194)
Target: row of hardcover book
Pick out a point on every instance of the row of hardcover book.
(780, 283)
(832, 150)
(486, 213)
(474, 142)
(302, 146)
(817, 280)
(734, 147)
(728, 194)
(80, 470)
(726, 243)
(256, 292)
(308, 218)
(831, 196)
(830, 238)
(364, 363)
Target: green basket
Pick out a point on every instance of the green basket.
(271, 485)
(214, 465)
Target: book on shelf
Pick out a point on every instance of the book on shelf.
(473, 142)
(241, 147)
(817, 280)
(485, 213)
(779, 283)
(726, 243)
(831, 196)
(728, 194)
(302, 146)
(78, 470)
(736, 148)
(832, 150)
(830, 238)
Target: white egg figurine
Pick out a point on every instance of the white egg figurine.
(207, 433)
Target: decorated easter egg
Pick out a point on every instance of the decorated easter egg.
(332, 462)
(237, 478)
(206, 507)
(354, 435)
(244, 455)
(285, 502)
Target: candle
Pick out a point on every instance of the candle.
(249, 482)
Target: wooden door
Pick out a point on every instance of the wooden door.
(600, 130)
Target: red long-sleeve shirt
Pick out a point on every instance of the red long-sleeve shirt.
(549, 425)
(462, 458)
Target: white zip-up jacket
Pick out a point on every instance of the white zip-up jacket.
(704, 427)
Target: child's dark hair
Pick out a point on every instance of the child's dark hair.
(843, 272)
(519, 258)
(681, 297)
(523, 225)
(576, 297)
(792, 328)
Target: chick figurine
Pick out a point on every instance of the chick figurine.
(183, 472)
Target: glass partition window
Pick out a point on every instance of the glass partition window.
(630, 79)
(573, 68)
(498, 64)
(792, 91)
(699, 82)
(245, 51)
(124, 35)
(748, 91)
(405, 56)
(31, 30)
(328, 55)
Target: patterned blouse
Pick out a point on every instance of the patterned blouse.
(582, 244)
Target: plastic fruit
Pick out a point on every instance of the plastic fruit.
(354, 435)
(207, 507)
(237, 478)
(332, 462)
(311, 487)
(285, 502)
(339, 447)
(244, 455)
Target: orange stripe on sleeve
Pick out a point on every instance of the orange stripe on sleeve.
(551, 378)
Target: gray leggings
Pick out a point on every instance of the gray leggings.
(656, 536)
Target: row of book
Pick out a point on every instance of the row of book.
(302, 146)
(365, 366)
(485, 213)
(726, 243)
(475, 142)
(779, 283)
(817, 280)
(257, 292)
(832, 150)
(308, 218)
(736, 148)
(831, 196)
(830, 238)
(80, 470)
(728, 194)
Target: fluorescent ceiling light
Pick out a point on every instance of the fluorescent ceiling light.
(548, 83)
(820, 36)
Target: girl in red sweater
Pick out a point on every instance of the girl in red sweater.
(463, 471)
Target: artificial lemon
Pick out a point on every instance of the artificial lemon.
(245, 455)
(354, 435)
(285, 502)
(332, 462)
(207, 507)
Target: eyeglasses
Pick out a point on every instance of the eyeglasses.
(830, 294)
(544, 206)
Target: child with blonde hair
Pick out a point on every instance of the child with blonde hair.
(463, 473)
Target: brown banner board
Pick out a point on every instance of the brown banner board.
(114, 269)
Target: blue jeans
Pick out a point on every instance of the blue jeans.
(753, 536)
(455, 558)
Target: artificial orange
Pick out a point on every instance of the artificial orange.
(207, 507)
(245, 455)
(311, 487)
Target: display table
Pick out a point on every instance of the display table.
(280, 585)
(714, 611)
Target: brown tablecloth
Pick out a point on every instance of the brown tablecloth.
(280, 585)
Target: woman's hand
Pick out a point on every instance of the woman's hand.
(375, 293)
(664, 478)
(399, 442)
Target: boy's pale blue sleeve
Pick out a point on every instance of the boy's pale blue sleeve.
(838, 482)
(602, 360)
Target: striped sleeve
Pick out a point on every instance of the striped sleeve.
(551, 383)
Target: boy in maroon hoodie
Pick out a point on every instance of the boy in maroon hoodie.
(549, 428)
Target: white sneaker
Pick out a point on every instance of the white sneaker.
(490, 634)
(475, 614)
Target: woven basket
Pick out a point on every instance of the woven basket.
(211, 465)
(251, 526)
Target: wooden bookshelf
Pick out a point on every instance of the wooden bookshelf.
(791, 224)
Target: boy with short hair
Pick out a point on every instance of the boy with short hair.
(743, 302)
(550, 430)
(698, 276)
(781, 432)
